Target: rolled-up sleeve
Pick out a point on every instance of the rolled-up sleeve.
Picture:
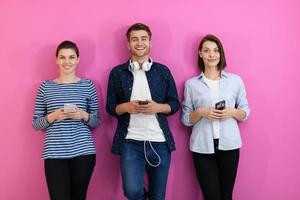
(187, 105)
(172, 96)
(241, 100)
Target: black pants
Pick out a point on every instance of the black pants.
(216, 173)
(68, 179)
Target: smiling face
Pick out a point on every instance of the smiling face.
(139, 45)
(210, 54)
(67, 61)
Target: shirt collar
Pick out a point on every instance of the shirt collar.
(223, 75)
(126, 65)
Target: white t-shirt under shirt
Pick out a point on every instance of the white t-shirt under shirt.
(143, 127)
(214, 86)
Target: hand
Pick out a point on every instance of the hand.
(149, 109)
(128, 107)
(78, 114)
(210, 113)
(214, 114)
(57, 115)
(227, 113)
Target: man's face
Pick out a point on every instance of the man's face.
(139, 44)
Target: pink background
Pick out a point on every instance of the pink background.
(261, 41)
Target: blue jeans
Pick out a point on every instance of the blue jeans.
(134, 166)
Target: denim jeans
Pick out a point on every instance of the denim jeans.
(134, 166)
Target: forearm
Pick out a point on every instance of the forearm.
(85, 116)
(121, 109)
(51, 118)
(238, 114)
(165, 108)
(195, 116)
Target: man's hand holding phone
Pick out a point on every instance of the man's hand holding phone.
(143, 102)
(128, 107)
(148, 107)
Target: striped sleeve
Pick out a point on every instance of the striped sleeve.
(92, 107)
(39, 120)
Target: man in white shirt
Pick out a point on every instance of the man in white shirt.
(141, 93)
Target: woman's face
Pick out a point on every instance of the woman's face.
(210, 54)
(67, 61)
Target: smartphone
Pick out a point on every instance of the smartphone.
(143, 102)
(69, 107)
(220, 105)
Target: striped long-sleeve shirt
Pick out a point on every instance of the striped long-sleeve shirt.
(68, 138)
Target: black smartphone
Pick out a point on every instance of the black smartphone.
(220, 105)
(143, 102)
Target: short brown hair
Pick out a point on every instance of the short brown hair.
(138, 27)
(67, 45)
(212, 38)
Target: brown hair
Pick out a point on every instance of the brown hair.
(137, 27)
(67, 45)
(212, 38)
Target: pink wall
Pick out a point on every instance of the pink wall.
(261, 40)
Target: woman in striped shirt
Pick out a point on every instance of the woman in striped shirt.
(67, 107)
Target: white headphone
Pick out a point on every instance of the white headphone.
(135, 66)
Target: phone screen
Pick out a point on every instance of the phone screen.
(143, 102)
(220, 105)
(69, 107)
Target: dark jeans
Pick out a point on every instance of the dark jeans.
(68, 179)
(134, 166)
(216, 173)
